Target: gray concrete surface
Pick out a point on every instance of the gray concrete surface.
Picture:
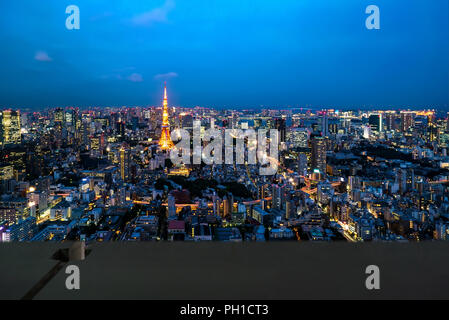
(233, 271)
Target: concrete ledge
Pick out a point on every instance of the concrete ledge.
(280, 270)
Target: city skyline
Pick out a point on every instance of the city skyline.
(110, 175)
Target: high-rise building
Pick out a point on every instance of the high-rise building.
(10, 127)
(225, 206)
(375, 122)
(165, 141)
(281, 127)
(171, 206)
(354, 182)
(186, 120)
(366, 132)
(58, 115)
(333, 125)
(302, 164)
(390, 118)
(276, 196)
(325, 125)
(407, 119)
(447, 122)
(70, 117)
(120, 128)
(289, 209)
(433, 131)
(324, 192)
(124, 163)
(216, 204)
(319, 154)
(262, 191)
(298, 137)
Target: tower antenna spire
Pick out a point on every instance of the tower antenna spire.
(165, 141)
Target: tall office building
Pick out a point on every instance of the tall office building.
(120, 129)
(10, 127)
(302, 164)
(432, 128)
(281, 127)
(324, 192)
(262, 191)
(289, 209)
(124, 163)
(276, 196)
(324, 125)
(70, 117)
(375, 122)
(407, 119)
(333, 126)
(298, 137)
(225, 204)
(319, 154)
(390, 118)
(58, 115)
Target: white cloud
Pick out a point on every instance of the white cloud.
(42, 56)
(168, 75)
(154, 15)
(135, 77)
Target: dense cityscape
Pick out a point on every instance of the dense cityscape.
(105, 174)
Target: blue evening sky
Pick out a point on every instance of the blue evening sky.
(224, 53)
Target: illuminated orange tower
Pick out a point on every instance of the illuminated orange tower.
(165, 141)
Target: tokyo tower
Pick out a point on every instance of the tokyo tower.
(165, 141)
